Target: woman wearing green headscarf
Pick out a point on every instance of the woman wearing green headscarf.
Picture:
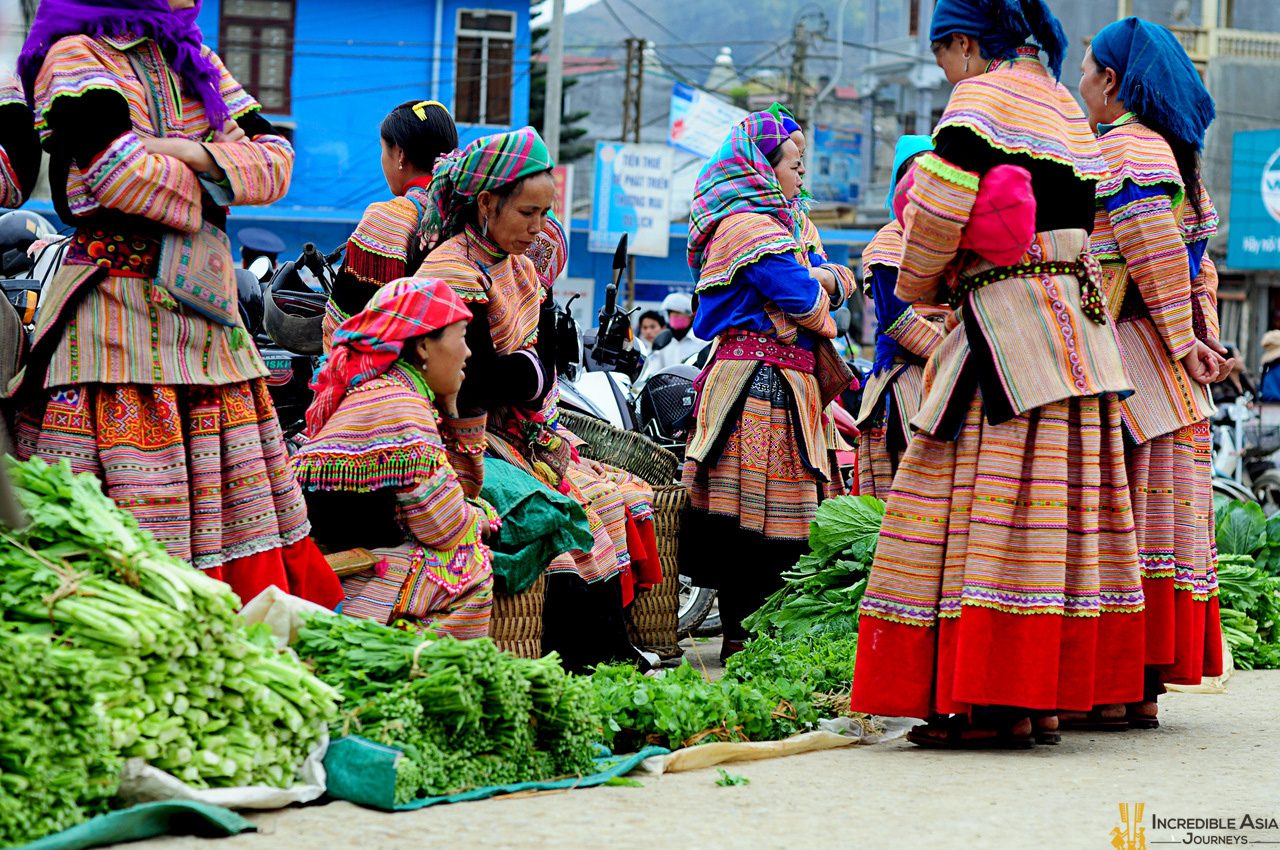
(491, 204)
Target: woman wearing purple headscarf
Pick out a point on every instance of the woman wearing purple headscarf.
(141, 372)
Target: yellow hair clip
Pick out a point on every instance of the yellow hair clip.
(420, 109)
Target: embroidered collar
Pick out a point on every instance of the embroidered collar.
(481, 249)
(1126, 118)
(410, 373)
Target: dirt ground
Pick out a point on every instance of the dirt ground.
(1215, 756)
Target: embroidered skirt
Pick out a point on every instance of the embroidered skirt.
(1006, 572)
(1171, 482)
(761, 475)
(887, 431)
(376, 594)
(203, 468)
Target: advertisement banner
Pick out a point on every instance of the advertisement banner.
(562, 206)
(699, 121)
(1254, 235)
(837, 164)
(632, 196)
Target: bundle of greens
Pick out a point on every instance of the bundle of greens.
(822, 663)
(205, 698)
(1249, 583)
(823, 590)
(465, 713)
(57, 763)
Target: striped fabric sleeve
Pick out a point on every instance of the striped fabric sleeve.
(846, 283)
(436, 512)
(938, 206)
(1148, 236)
(465, 440)
(1204, 289)
(915, 333)
(258, 169)
(125, 177)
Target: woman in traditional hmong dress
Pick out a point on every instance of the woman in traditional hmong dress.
(815, 255)
(1005, 582)
(1154, 220)
(135, 375)
(19, 145)
(490, 205)
(389, 242)
(393, 467)
(756, 465)
(905, 337)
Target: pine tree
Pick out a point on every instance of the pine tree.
(570, 147)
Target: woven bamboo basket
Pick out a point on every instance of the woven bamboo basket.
(516, 626)
(655, 615)
(627, 450)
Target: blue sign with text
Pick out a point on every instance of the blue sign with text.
(1254, 241)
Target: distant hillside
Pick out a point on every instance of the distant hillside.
(750, 27)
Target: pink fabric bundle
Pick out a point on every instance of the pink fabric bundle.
(1003, 222)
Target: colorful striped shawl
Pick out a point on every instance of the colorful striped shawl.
(737, 179)
(510, 287)
(379, 248)
(738, 241)
(383, 434)
(1019, 109)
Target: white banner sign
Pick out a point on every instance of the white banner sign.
(699, 121)
(632, 196)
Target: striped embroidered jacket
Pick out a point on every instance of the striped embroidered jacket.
(909, 336)
(813, 254)
(123, 330)
(1023, 341)
(1151, 242)
(19, 146)
(384, 434)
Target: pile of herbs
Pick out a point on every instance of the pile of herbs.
(191, 690)
(465, 714)
(823, 590)
(771, 690)
(1249, 583)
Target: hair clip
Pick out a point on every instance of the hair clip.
(420, 109)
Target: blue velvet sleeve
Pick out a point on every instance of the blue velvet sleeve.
(888, 306)
(785, 282)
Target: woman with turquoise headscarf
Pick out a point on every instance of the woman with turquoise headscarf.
(905, 337)
(1145, 100)
(1005, 583)
(756, 463)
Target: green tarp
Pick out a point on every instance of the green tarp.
(147, 820)
(364, 772)
(537, 525)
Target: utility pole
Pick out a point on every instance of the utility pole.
(633, 86)
(555, 80)
(799, 55)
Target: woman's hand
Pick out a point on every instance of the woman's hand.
(192, 154)
(826, 278)
(1202, 363)
(593, 467)
(230, 133)
(1228, 362)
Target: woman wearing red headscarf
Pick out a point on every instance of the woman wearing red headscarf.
(391, 465)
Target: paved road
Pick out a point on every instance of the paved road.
(1215, 756)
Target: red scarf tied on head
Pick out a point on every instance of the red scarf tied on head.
(367, 344)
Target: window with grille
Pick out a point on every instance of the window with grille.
(256, 45)
(483, 73)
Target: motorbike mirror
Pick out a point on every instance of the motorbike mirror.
(261, 268)
(843, 320)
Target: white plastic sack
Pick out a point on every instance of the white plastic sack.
(142, 783)
(282, 612)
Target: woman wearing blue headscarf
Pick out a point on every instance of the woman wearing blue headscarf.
(1150, 110)
(905, 337)
(1005, 584)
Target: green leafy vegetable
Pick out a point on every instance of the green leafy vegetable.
(726, 778)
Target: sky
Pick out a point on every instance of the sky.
(541, 13)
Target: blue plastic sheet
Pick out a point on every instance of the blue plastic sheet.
(364, 772)
(147, 820)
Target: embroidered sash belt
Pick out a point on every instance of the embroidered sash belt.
(742, 345)
(1086, 269)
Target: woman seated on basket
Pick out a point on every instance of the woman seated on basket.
(392, 466)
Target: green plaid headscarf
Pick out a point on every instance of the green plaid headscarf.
(482, 166)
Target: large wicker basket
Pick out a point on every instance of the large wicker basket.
(655, 615)
(627, 450)
(516, 626)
